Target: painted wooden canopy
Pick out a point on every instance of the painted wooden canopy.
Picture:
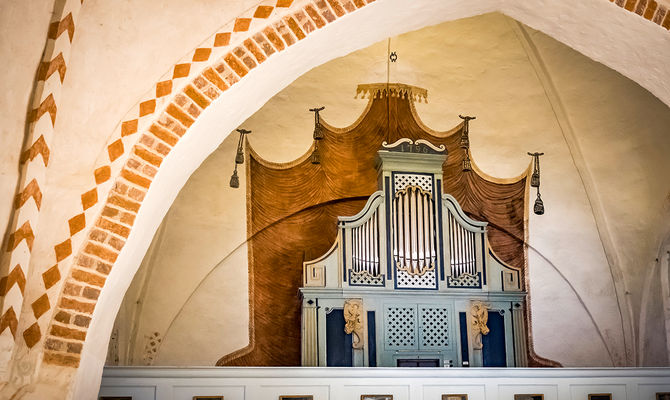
(292, 212)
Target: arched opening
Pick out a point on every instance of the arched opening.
(205, 135)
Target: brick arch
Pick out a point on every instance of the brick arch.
(137, 151)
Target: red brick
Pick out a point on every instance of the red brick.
(62, 317)
(253, 49)
(293, 26)
(239, 69)
(116, 242)
(87, 277)
(148, 156)
(135, 178)
(54, 344)
(314, 15)
(102, 252)
(180, 115)
(337, 7)
(136, 194)
(67, 333)
(72, 289)
(76, 305)
(274, 38)
(110, 226)
(196, 96)
(90, 293)
(82, 320)
(60, 359)
(74, 348)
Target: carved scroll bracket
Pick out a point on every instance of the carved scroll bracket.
(480, 315)
(353, 321)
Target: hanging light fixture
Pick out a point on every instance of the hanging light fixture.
(239, 158)
(538, 208)
(465, 142)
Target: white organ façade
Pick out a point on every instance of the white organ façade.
(411, 280)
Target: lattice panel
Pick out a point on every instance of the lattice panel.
(400, 327)
(365, 279)
(465, 281)
(434, 327)
(425, 281)
(401, 181)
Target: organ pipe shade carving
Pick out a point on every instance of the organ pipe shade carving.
(414, 231)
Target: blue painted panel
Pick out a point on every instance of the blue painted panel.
(338, 343)
(494, 353)
(463, 327)
(372, 339)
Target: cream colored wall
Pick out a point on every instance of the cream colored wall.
(22, 55)
(529, 93)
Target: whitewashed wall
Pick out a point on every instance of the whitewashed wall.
(529, 93)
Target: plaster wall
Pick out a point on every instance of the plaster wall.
(124, 44)
(472, 66)
(25, 51)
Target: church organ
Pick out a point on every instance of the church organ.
(411, 279)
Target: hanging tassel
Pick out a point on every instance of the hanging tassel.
(234, 180)
(316, 157)
(467, 166)
(465, 138)
(538, 208)
(535, 177)
(239, 158)
(318, 133)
